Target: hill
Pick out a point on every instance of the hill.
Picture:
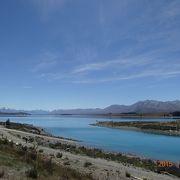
(147, 106)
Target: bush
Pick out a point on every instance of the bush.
(21, 152)
(87, 164)
(41, 151)
(5, 141)
(32, 173)
(32, 155)
(8, 122)
(128, 174)
(48, 165)
(59, 155)
(31, 139)
(24, 148)
(66, 163)
(1, 173)
(51, 155)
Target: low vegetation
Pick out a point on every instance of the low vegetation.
(87, 164)
(97, 153)
(30, 129)
(142, 114)
(118, 157)
(128, 174)
(32, 173)
(1, 173)
(150, 125)
(32, 164)
(14, 114)
(23, 127)
(59, 155)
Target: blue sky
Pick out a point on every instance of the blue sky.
(68, 54)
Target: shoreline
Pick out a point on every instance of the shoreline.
(34, 130)
(137, 166)
(47, 135)
(140, 127)
(150, 131)
(78, 143)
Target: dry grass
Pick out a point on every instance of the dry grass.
(27, 162)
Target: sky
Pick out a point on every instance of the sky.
(59, 54)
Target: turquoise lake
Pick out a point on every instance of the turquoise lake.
(154, 146)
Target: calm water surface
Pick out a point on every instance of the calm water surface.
(148, 145)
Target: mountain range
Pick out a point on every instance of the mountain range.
(147, 106)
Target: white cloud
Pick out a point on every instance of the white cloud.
(159, 74)
(45, 62)
(95, 66)
(138, 61)
(44, 65)
(143, 69)
(143, 65)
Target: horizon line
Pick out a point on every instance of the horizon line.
(55, 109)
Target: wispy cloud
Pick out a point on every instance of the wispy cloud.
(118, 70)
(43, 65)
(128, 50)
(45, 61)
(96, 66)
(145, 74)
(110, 64)
(134, 67)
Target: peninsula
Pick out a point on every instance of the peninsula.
(167, 128)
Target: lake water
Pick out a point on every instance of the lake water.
(154, 146)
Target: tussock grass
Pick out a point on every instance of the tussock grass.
(35, 164)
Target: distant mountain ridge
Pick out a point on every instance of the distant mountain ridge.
(147, 106)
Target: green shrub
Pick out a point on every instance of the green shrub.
(2, 173)
(128, 174)
(32, 173)
(66, 163)
(24, 148)
(5, 141)
(8, 123)
(32, 155)
(47, 165)
(87, 164)
(41, 151)
(31, 139)
(59, 155)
